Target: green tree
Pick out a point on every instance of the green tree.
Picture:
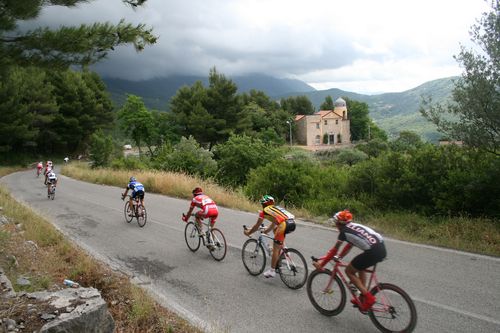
(101, 148)
(138, 122)
(208, 114)
(351, 156)
(187, 156)
(297, 105)
(84, 107)
(474, 114)
(223, 105)
(291, 181)
(27, 107)
(328, 104)
(373, 148)
(407, 141)
(237, 156)
(360, 121)
(64, 46)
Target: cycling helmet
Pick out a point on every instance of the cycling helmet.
(197, 190)
(267, 200)
(132, 179)
(343, 217)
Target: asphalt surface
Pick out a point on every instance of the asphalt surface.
(453, 291)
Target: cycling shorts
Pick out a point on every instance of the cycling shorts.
(211, 213)
(138, 194)
(282, 229)
(370, 257)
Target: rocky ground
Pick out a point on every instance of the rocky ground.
(21, 313)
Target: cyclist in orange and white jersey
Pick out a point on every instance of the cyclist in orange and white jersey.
(283, 222)
(208, 208)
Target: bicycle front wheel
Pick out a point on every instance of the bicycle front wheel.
(394, 310)
(219, 242)
(128, 212)
(142, 216)
(192, 236)
(326, 293)
(253, 256)
(292, 268)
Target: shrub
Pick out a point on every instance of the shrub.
(290, 181)
(101, 148)
(187, 156)
(240, 154)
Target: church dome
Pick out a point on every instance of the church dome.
(339, 102)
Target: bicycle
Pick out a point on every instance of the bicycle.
(51, 192)
(291, 266)
(213, 239)
(138, 211)
(394, 310)
(38, 172)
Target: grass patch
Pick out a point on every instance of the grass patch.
(478, 235)
(167, 183)
(31, 247)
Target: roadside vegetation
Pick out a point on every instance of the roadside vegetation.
(31, 247)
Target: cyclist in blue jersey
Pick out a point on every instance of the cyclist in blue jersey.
(138, 191)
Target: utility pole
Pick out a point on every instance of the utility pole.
(290, 125)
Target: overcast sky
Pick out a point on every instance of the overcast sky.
(365, 46)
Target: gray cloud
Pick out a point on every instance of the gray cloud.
(316, 41)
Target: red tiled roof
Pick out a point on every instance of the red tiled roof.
(323, 113)
(299, 116)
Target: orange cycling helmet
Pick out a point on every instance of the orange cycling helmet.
(197, 190)
(343, 217)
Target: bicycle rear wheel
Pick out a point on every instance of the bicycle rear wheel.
(219, 242)
(394, 311)
(53, 193)
(192, 236)
(328, 300)
(128, 212)
(253, 257)
(292, 268)
(142, 216)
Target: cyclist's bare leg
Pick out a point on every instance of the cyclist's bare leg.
(131, 205)
(198, 222)
(276, 254)
(360, 281)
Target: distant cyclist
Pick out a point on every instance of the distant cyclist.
(283, 222)
(48, 168)
(138, 191)
(367, 240)
(208, 208)
(39, 168)
(51, 180)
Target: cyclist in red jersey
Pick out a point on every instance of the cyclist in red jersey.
(283, 222)
(208, 208)
(366, 239)
(39, 167)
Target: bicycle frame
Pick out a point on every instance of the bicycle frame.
(269, 249)
(382, 304)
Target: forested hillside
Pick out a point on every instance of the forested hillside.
(393, 112)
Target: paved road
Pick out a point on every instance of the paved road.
(453, 291)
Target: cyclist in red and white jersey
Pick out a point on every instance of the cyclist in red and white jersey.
(367, 240)
(208, 208)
